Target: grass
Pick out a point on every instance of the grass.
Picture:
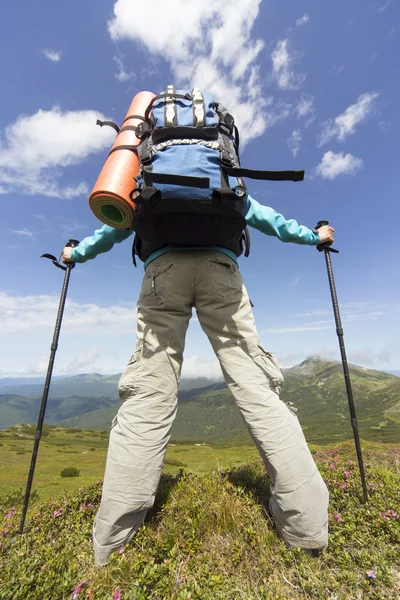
(62, 448)
(210, 537)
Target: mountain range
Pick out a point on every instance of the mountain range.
(315, 390)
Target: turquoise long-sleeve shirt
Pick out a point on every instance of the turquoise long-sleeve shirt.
(260, 217)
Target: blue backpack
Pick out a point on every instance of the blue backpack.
(190, 189)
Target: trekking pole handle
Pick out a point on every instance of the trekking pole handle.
(56, 263)
(326, 245)
(72, 243)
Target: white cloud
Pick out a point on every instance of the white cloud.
(305, 108)
(36, 148)
(282, 67)
(84, 361)
(334, 164)
(54, 56)
(23, 313)
(345, 124)
(316, 326)
(193, 366)
(303, 20)
(122, 75)
(24, 232)
(385, 6)
(294, 142)
(208, 45)
(87, 360)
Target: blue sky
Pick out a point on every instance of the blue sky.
(312, 85)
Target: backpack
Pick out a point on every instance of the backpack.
(189, 190)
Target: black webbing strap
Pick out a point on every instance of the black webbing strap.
(162, 134)
(126, 147)
(171, 179)
(133, 117)
(128, 128)
(246, 234)
(108, 124)
(265, 175)
(160, 97)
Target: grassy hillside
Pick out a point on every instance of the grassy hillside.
(86, 451)
(210, 537)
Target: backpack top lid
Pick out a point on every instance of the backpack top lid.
(184, 108)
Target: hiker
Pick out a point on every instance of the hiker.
(206, 277)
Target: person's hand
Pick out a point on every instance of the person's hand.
(66, 255)
(326, 234)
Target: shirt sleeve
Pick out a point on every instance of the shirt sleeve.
(101, 241)
(268, 221)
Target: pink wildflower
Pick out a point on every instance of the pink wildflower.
(370, 574)
(332, 467)
(346, 473)
(371, 486)
(380, 484)
(58, 512)
(116, 594)
(393, 514)
(338, 517)
(10, 514)
(78, 590)
(121, 550)
(384, 516)
(345, 487)
(349, 462)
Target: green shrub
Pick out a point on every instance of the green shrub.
(174, 462)
(16, 498)
(70, 472)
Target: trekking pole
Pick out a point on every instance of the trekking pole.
(38, 434)
(339, 330)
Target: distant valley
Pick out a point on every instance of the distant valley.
(314, 389)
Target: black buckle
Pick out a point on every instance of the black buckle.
(142, 130)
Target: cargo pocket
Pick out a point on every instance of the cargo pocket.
(156, 284)
(129, 381)
(226, 278)
(270, 366)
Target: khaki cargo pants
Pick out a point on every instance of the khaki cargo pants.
(210, 282)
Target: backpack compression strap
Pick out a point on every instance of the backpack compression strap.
(265, 175)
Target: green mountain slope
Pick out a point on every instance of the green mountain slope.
(315, 390)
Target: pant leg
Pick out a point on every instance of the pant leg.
(148, 389)
(299, 496)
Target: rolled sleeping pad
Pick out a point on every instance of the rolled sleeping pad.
(109, 199)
